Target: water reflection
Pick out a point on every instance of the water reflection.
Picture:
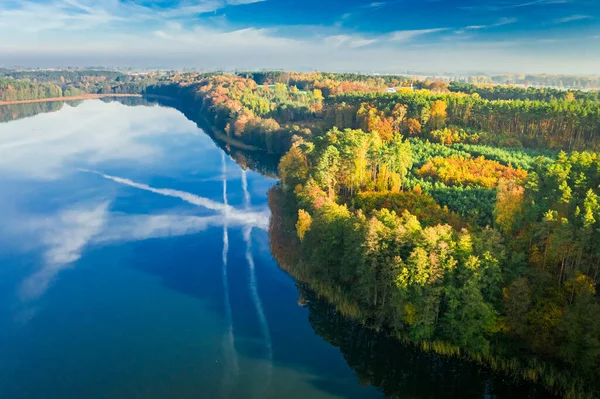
(259, 161)
(264, 326)
(135, 262)
(246, 217)
(20, 111)
(402, 371)
(48, 146)
(55, 145)
(64, 236)
(232, 370)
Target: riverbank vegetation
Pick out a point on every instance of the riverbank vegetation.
(36, 85)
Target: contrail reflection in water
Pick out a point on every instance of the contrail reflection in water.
(264, 326)
(232, 365)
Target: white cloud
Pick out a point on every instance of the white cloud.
(69, 15)
(405, 35)
(351, 41)
(139, 36)
(242, 2)
(375, 4)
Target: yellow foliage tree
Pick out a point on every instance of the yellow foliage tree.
(303, 223)
(438, 114)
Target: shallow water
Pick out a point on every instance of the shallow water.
(135, 263)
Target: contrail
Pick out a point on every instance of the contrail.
(257, 219)
(264, 326)
(229, 341)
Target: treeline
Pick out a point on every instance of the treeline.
(51, 76)
(561, 81)
(294, 78)
(570, 125)
(17, 90)
(502, 92)
(264, 117)
(17, 86)
(294, 104)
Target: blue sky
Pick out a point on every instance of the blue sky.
(554, 36)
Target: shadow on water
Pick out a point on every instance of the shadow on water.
(258, 161)
(403, 371)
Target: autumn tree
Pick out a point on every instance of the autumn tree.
(438, 114)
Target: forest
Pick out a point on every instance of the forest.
(562, 81)
(461, 219)
(35, 85)
(466, 226)
(503, 92)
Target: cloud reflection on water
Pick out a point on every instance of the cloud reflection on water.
(53, 146)
(246, 216)
(46, 146)
(65, 236)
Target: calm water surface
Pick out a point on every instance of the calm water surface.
(135, 263)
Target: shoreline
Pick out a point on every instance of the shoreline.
(69, 98)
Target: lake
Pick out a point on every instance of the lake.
(135, 263)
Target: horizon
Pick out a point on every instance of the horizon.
(412, 74)
(456, 37)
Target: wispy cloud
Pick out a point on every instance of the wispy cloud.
(202, 7)
(573, 18)
(64, 15)
(348, 40)
(489, 7)
(89, 14)
(405, 35)
(501, 22)
(187, 34)
(375, 4)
